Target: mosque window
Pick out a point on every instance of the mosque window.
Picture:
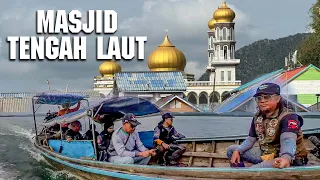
(231, 34)
(222, 75)
(218, 51)
(212, 42)
(218, 33)
(224, 33)
(225, 52)
(232, 52)
(229, 75)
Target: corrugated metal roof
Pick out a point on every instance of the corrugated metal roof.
(247, 91)
(171, 81)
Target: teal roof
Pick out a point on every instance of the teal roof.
(244, 93)
(171, 81)
(255, 81)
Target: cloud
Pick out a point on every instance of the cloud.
(186, 21)
(183, 18)
(195, 68)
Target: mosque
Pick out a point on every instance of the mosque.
(218, 79)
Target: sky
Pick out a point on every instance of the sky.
(185, 20)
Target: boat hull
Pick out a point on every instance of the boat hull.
(90, 169)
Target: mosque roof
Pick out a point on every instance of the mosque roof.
(164, 81)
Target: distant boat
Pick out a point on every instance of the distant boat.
(206, 157)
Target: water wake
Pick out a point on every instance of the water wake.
(19, 131)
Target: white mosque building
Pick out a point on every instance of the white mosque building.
(219, 77)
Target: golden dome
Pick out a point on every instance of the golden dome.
(166, 58)
(211, 24)
(109, 68)
(224, 13)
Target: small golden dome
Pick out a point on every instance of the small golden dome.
(109, 68)
(224, 14)
(166, 58)
(211, 24)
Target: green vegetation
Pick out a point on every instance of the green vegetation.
(309, 50)
(265, 56)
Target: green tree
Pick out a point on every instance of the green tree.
(309, 49)
(315, 16)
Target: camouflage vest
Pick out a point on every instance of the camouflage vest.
(268, 131)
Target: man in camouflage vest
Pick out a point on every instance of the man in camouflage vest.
(278, 131)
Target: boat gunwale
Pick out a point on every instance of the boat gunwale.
(170, 168)
(238, 137)
(94, 170)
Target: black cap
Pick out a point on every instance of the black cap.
(268, 88)
(167, 115)
(131, 118)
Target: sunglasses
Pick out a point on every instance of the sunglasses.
(132, 126)
(265, 97)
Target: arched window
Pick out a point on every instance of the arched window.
(232, 52)
(213, 52)
(232, 34)
(225, 52)
(203, 98)
(192, 98)
(218, 51)
(217, 33)
(212, 42)
(224, 33)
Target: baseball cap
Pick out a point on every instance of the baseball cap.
(131, 118)
(268, 88)
(167, 115)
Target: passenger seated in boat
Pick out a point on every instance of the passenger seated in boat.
(104, 140)
(66, 110)
(73, 133)
(277, 129)
(88, 134)
(165, 136)
(126, 146)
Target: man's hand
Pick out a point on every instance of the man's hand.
(144, 153)
(235, 157)
(281, 162)
(165, 146)
(69, 139)
(152, 152)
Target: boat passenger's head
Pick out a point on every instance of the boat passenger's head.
(268, 97)
(65, 105)
(130, 123)
(167, 118)
(108, 127)
(76, 126)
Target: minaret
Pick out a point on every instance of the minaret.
(221, 46)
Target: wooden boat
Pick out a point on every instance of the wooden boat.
(205, 157)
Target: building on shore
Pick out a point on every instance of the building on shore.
(104, 83)
(299, 87)
(174, 103)
(149, 85)
(219, 75)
